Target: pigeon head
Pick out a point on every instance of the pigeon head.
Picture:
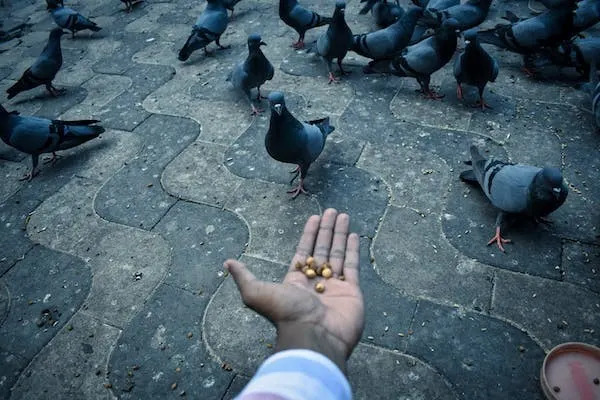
(449, 28)
(277, 102)
(548, 191)
(553, 179)
(340, 8)
(255, 41)
(470, 36)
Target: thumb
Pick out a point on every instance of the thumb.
(255, 293)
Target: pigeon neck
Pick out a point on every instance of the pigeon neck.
(286, 5)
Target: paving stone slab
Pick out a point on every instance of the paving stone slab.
(46, 288)
(202, 238)
(581, 265)
(10, 368)
(161, 352)
(553, 312)
(73, 365)
(480, 356)
(143, 203)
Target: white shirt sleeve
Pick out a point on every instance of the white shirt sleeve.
(297, 375)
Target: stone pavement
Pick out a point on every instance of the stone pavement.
(111, 283)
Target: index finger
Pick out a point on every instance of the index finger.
(307, 241)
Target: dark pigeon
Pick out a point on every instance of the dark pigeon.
(578, 54)
(253, 72)
(70, 19)
(44, 69)
(388, 42)
(300, 19)
(336, 42)
(422, 59)
(385, 13)
(208, 28)
(474, 67)
(291, 141)
(438, 5)
(516, 188)
(467, 15)
(35, 136)
(587, 14)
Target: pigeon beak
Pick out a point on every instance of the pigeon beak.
(278, 108)
(262, 44)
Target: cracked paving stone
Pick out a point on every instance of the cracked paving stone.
(553, 312)
(46, 289)
(202, 238)
(68, 366)
(478, 355)
(581, 263)
(134, 195)
(237, 385)
(4, 301)
(157, 340)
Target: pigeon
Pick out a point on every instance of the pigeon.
(33, 135)
(468, 15)
(70, 19)
(130, 3)
(43, 70)
(438, 5)
(579, 54)
(423, 58)
(385, 13)
(388, 42)
(587, 15)
(230, 4)
(300, 19)
(336, 42)
(516, 188)
(253, 72)
(527, 36)
(474, 67)
(208, 28)
(291, 141)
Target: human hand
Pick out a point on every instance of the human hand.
(331, 322)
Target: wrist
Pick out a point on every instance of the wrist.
(308, 336)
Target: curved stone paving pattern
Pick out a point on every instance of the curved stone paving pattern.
(122, 241)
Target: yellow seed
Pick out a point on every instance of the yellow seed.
(298, 265)
(310, 261)
(326, 273)
(174, 386)
(320, 287)
(342, 278)
(177, 369)
(305, 268)
(310, 273)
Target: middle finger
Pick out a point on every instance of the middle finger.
(323, 244)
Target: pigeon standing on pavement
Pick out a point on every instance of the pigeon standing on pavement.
(388, 42)
(300, 19)
(35, 136)
(468, 15)
(253, 72)
(578, 54)
(336, 42)
(474, 67)
(70, 19)
(43, 70)
(385, 13)
(291, 141)
(423, 58)
(208, 28)
(516, 189)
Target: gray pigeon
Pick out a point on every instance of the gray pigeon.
(474, 67)
(468, 15)
(388, 42)
(336, 42)
(438, 5)
(587, 15)
(208, 28)
(385, 13)
(230, 4)
(35, 136)
(43, 70)
(70, 19)
(253, 72)
(291, 141)
(516, 188)
(423, 58)
(300, 19)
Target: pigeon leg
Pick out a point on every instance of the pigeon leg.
(499, 240)
(52, 160)
(73, 34)
(255, 111)
(427, 92)
(33, 173)
(332, 77)
(342, 72)
(295, 169)
(259, 97)
(459, 93)
(481, 103)
(219, 44)
(298, 189)
(433, 95)
(296, 172)
(54, 91)
(299, 44)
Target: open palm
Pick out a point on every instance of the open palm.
(330, 322)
